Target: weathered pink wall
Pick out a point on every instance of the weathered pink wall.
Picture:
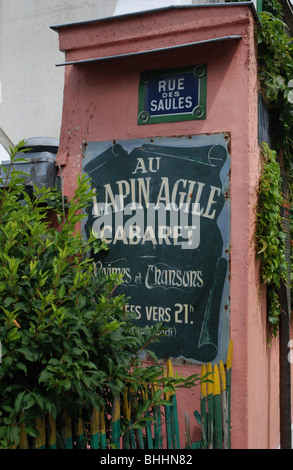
(101, 103)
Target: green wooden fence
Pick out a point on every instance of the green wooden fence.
(215, 405)
(162, 432)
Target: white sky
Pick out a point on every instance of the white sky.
(4, 155)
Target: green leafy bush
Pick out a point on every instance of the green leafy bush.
(275, 61)
(67, 341)
(270, 234)
(275, 65)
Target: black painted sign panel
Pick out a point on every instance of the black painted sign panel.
(163, 207)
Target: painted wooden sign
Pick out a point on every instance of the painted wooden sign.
(172, 95)
(163, 207)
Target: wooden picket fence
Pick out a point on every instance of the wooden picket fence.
(162, 432)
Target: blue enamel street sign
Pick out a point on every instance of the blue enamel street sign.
(172, 95)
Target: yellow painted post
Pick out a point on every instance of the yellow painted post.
(174, 416)
(68, 432)
(149, 442)
(228, 385)
(133, 443)
(103, 440)
(95, 424)
(217, 409)
(168, 421)
(80, 433)
(210, 400)
(127, 419)
(203, 406)
(126, 405)
(138, 432)
(224, 405)
(40, 441)
(52, 442)
(158, 440)
(116, 422)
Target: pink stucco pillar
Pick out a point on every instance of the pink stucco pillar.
(104, 59)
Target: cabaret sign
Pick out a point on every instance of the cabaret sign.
(162, 205)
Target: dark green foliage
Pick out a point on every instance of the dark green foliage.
(67, 341)
(275, 55)
(270, 235)
(274, 7)
(275, 63)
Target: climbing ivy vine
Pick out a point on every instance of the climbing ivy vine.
(275, 63)
(270, 237)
